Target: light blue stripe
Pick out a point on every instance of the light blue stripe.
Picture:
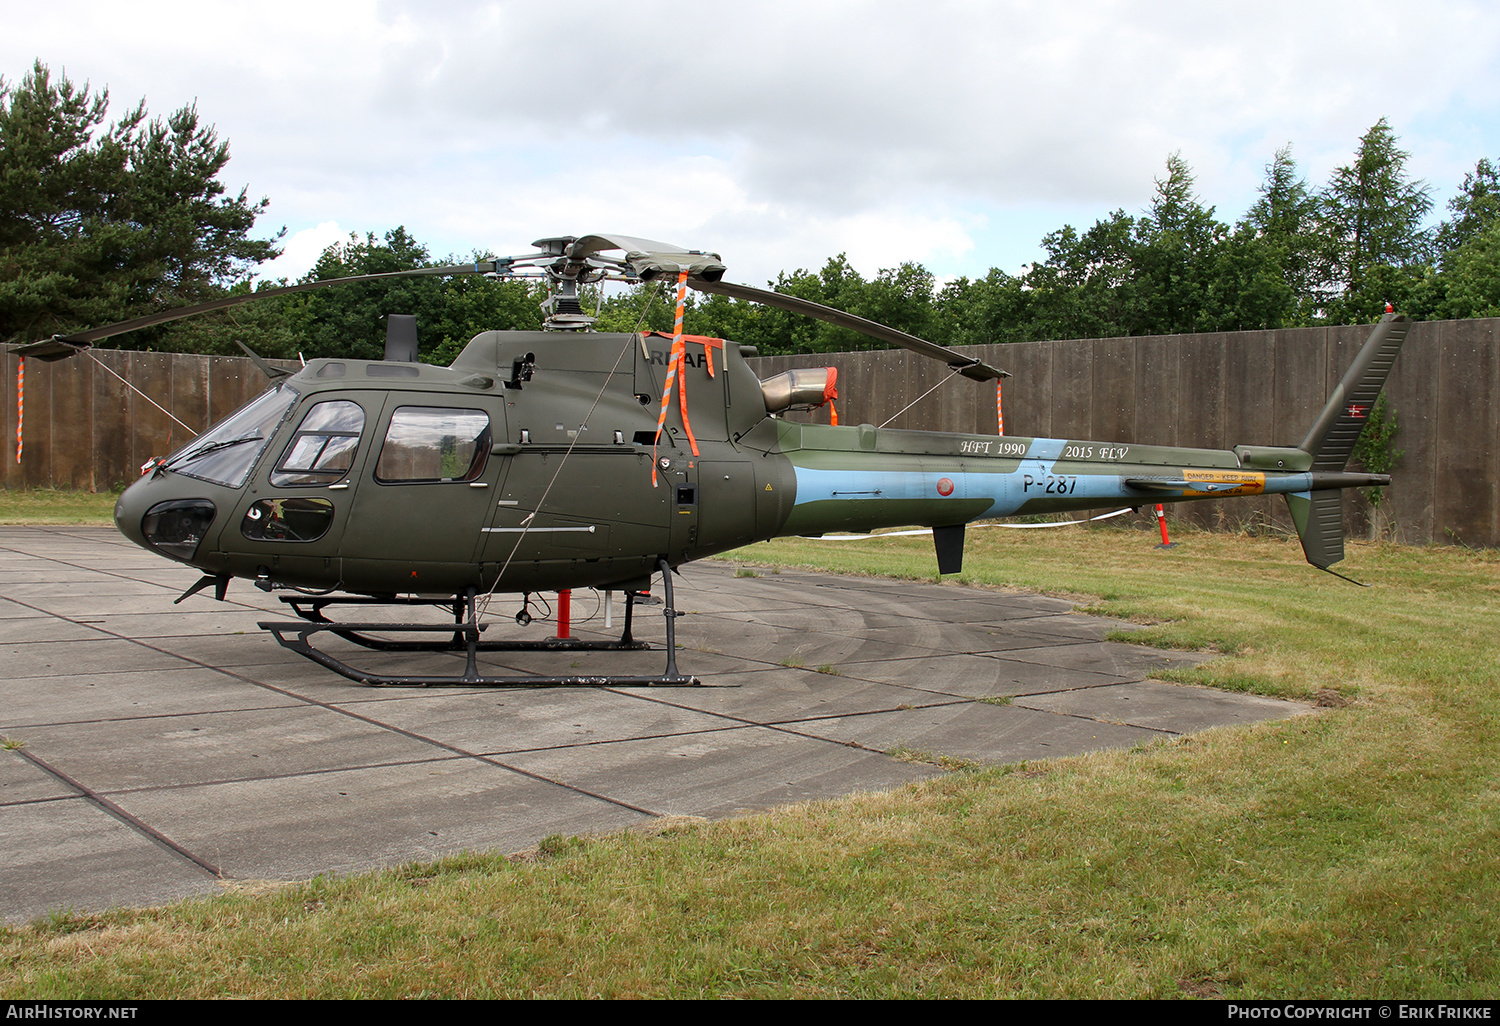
(1006, 492)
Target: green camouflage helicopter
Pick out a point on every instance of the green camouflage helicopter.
(549, 460)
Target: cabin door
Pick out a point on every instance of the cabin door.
(417, 520)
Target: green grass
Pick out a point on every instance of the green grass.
(41, 506)
(922, 755)
(1355, 853)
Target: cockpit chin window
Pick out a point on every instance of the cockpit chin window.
(287, 519)
(226, 454)
(176, 528)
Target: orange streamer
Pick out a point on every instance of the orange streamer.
(676, 374)
(20, 403)
(679, 350)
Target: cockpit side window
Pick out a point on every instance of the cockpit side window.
(429, 443)
(323, 449)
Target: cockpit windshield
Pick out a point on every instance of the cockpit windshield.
(225, 454)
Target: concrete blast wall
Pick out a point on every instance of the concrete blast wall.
(86, 429)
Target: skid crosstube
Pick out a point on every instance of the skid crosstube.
(464, 635)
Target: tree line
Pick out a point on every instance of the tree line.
(100, 223)
(1299, 257)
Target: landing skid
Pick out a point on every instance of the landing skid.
(464, 635)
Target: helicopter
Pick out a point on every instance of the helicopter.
(571, 458)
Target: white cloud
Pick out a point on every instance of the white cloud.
(780, 133)
(300, 251)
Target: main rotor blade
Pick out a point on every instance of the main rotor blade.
(965, 365)
(60, 347)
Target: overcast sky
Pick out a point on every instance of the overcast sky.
(776, 134)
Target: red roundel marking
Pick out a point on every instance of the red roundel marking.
(945, 487)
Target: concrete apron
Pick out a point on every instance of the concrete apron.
(166, 751)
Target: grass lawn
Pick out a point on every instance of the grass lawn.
(1355, 853)
(50, 506)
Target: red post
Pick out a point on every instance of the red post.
(1161, 521)
(564, 615)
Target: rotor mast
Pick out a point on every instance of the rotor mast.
(581, 261)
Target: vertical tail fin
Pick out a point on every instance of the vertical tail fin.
(1331, 438)
(1319, 514)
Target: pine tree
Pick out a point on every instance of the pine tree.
(1371, 215)
(1285, 218)
(1178, 245)
(100, 224)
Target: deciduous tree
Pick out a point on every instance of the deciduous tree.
(1475, 208)
(350, 320)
